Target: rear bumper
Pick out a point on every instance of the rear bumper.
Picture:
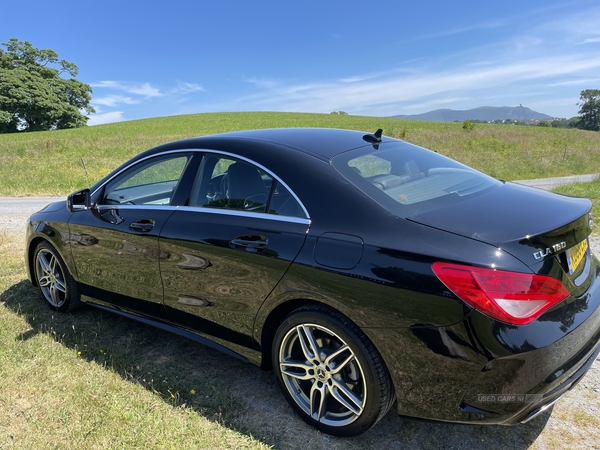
(559, 392)
(507, 407)
(483, 371)
(538, 363)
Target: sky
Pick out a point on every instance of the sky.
(376, 58)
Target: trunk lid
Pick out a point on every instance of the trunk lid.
(531, 224)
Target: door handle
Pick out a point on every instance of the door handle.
(143, 225)
(250, 243)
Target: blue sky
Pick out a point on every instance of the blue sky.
(377, 58)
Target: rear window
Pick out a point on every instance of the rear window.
(406, 179)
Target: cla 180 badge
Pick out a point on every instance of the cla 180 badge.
(554, 249)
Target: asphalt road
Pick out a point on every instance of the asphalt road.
(551, 183)
(25, 205)
(14, 211)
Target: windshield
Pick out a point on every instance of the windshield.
(407, 180)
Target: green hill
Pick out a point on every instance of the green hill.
(59, 162)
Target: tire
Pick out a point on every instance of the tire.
(54, 280)
(330, 372)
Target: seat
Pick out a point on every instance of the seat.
(244, 182)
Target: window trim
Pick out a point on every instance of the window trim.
(197, 208)
(100, 189)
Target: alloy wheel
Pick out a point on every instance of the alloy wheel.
(50, 278)
(322, 375)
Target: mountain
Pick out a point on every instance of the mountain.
(487, 113)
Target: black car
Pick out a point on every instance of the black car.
(363, 270)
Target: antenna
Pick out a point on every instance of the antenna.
(374, 138)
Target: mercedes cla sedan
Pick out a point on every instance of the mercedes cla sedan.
(366, 272)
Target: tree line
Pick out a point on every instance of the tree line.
(589, 113)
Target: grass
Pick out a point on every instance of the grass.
(94, 380)
(59, 162)
(589, 190)
(91, 380)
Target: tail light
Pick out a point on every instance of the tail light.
(511, 297)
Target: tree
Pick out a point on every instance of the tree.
(34, 96)
(589, 111)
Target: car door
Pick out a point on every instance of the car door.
(115, 243)
(229, 247)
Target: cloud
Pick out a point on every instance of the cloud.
(460, 30)
(368, 95)
(146, 90)
(187, 88)
(143, 89)
(360, 78)
(534, 60)
(578, 82)
(114, 100)
(533, 56)
(99, 119)
(261, 82)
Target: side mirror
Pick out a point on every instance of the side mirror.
(79, 201)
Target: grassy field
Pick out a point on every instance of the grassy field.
(92, 380)
(59, 162)
(587, 190)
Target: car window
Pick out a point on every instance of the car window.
(407, 179)
(228, 183)
(150, 182)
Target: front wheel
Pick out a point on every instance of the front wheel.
(330, 372)
(54, 280)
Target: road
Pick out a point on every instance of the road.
(25, 205)
(551, 183)
(14, 211)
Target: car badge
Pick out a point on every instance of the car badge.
(552, 249)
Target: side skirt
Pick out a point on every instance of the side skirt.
(172, 329)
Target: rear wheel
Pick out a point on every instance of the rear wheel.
(54, 280)
(330, 372)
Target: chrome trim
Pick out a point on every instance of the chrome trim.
(225, 212)
(254, 215)
(541, 409)
(128, 206)
(267, 171)
(133, 164)
(198, 150)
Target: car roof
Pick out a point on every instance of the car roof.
(323, 143)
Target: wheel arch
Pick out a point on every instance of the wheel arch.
(280, 312)
(372, 366)
(271, 323)
(60, 247)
